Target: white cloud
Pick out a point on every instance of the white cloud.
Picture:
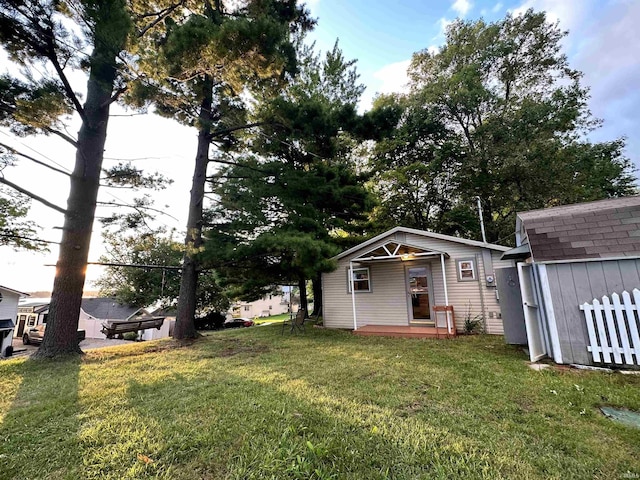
(603, 42)
(497, 7)
(433, 49)
(443, 23)
(570, 13)
(462, 7)
(391, 78)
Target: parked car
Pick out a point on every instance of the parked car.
(238, 322)
(34, 335)
(211, 321)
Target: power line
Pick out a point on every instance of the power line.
(36, 151)
(289, 144)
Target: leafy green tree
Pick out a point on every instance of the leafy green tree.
(15, 230)
(414, 167)
(196, 71)
(134, 272)
(285, 201)
(497, 113)
(48, 39)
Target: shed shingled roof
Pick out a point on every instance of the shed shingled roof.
(602, 229)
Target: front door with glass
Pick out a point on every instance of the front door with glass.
(419, 283)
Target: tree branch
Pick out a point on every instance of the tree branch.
(64, 136)
(224, 131)
(135, 207)
(161, 15)
(20, 237)
(32, 195)
(24, 155)
(129, 265)
(53, 57)
(114, 97)
(235, 164)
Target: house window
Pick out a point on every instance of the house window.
(31, 321)
(466, 269)
(247, 308)
(361, 280)
(270, 307)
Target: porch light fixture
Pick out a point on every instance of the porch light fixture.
(406, 256)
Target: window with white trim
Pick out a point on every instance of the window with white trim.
(361, 280)
(466, 269)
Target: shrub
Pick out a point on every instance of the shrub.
(131, 336)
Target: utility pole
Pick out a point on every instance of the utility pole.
(484, 235)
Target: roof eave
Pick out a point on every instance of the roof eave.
(423, 233)
(22, 294)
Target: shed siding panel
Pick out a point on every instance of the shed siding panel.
(577, 278)
(573, 284)
(630, 275)
(564, 335)
(387, 304)
(612, 276)
(9, 305)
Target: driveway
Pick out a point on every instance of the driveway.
(20, 350)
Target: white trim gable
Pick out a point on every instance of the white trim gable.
(423, 233)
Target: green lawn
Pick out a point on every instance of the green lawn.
(252, 403)
(272, 319)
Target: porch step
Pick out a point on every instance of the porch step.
(402, 331)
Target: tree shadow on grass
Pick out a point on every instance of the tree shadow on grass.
(241, 421)
(38, 432)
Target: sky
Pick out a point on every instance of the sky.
(603, 42)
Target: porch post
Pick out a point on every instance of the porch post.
(353, 296)
(446, 293)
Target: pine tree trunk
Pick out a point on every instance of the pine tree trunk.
(61, 337)
(185, 319)
(317, 295)
(302, 286)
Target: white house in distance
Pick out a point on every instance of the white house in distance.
(272, 304)
(408, 282)
(31, 312)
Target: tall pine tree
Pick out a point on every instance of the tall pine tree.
(293, 194)
(196, 72)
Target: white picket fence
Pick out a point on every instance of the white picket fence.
(613, 328)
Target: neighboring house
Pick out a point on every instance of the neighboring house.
(272, 304)
(9, 299)
(31, 312)
(93, 313)
(397, 279)
(569, 256)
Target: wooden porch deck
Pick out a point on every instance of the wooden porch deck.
(403, 331)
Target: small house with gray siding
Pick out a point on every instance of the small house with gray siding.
(408, 279)
(570, 257)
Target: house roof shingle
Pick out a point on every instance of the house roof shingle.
(107, 308)
(602, 229)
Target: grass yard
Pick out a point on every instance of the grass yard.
(251, 403)
(272, 319)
